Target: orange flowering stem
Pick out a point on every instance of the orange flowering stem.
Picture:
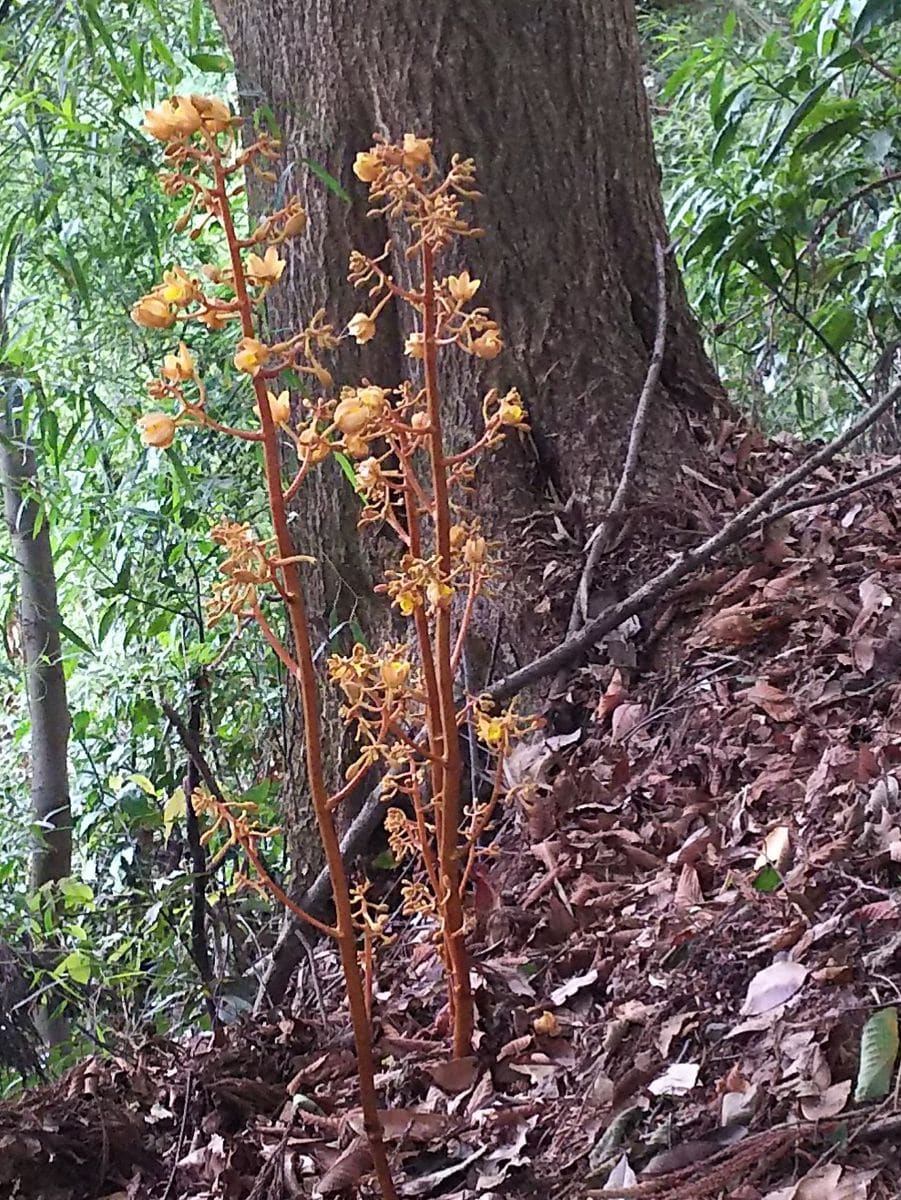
(306, 677)
(448, 801)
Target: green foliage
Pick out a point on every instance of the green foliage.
(777, 134)
(80, 211)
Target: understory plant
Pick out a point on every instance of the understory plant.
(402, 699)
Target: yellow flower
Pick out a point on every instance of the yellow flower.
(296, 222)
(374, 398)
(367, 166)
(420, 420)
(489, 345)
(178, 288)
(279, 407)
(490, 729)
(266, 270)
(352, 416)
(215, 114)
(361, 327)
(439, 594)
(250, 355)
(417, 151)
(414, 347)
(153, 313)
(408, 602)
(180, 366)
(395, 673)
(457, 536)
(313, 445)
(157, 429)
(511, 411)
(461, 287)
(356, 447)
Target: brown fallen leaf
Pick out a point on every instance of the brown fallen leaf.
(772, 986)
(347, 1170)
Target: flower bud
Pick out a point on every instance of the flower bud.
(152, 312)
(296, 222)
(356, 447)
(180, 366)
(475, 551)
(157, 430)
(351, 416)
(313, 445)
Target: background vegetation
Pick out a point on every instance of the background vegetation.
(776, 132)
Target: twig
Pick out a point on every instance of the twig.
(189, 1082)
(837, 493)
(732, 532)
(849, 201)
(600, 539)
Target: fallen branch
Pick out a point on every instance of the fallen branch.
(571, 650)
(690, 1183)
(837, 493)
(600, 539)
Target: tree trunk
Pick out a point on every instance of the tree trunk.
(549, 100)
(39, 621)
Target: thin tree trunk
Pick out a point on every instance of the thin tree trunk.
(39, 621)
(548, 98)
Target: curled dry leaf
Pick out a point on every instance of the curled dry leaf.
(776, 850)
(676, 1080)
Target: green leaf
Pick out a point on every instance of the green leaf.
(77, 892)
(878, 1051)
(767, 880)
(76, 965)
(876, 14)
(828, 134)
(216, 64)
(174, 810)
(328, 179)
(838, 328)
(74, 638)
(800, 112)
(143, 783)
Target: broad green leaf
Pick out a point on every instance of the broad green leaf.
(767, 880)
(878, 1051)
(76, 891)
(73, 637)
(77, 965)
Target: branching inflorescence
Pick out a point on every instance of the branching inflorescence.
(400, 700)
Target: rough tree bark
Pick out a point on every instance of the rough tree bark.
(549, 100)
(39, 622)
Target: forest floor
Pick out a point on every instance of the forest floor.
(677, 949)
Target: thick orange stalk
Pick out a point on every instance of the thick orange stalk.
(447, 799)
(306, 678)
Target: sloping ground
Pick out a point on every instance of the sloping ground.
(693, 916)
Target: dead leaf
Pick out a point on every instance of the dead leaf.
(456, 1075)
(676, 1080)
(776, 850)
(772, 986)
(569, 988)
(347, 1170)
(775, 703)
(626, 718)
(402, 1124)
(828, 1103)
